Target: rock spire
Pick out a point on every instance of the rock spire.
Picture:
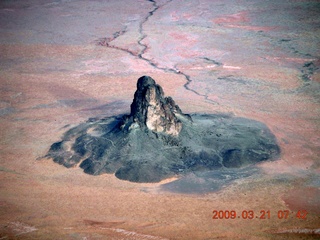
(152, 110)
(123, 145)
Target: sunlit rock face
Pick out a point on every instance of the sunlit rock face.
(151, 109)
(157, 141)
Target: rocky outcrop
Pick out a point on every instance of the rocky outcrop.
(152, 110)
(157, 141)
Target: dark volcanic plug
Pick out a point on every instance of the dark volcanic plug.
(156, 141)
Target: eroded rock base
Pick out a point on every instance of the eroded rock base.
(141, 155)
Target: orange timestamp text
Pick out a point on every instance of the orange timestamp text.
(262, 214)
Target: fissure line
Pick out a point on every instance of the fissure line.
(106, 42)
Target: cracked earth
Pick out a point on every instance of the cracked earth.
(65, 61)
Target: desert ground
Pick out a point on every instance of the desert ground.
(65, 61)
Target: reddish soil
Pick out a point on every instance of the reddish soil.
(254, 59)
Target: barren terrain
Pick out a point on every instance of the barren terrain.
(65, 61)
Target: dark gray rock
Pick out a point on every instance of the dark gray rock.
(152, 110)
(173, 144)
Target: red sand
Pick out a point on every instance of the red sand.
(54, 76)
